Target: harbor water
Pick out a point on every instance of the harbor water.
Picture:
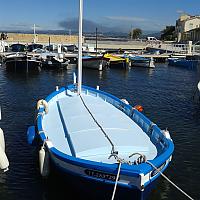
(166, 94)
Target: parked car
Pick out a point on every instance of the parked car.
(153, 40)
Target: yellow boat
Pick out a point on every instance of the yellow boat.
(117, 61)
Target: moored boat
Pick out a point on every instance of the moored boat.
(21, 62)
(78, 138)
(94, 62)
(117, 62)
(55, 61)
(183, 62)
(139, 61)
(93, 135)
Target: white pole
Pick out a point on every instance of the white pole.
(80, 47)
(34, 40)
(70, 33)
(34, 29)
(189, 47)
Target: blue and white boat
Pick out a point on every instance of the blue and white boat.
(140, 61)
(92, 135)
(183, 62)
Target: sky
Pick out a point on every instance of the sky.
(118, 15)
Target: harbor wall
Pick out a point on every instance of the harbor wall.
(41, 38)
(73, 39)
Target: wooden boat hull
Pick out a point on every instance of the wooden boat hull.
(141, 62)
(98, 63)
(80, 187)
(98, 174)
(136, 177)
(117, 62)
(23, 66)
(191, 64)
(51, 63)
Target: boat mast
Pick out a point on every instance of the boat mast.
(96, 41)
(80, 47)
(34, 39)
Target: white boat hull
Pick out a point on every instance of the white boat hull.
(98, 64)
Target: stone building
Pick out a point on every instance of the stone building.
(187, 28)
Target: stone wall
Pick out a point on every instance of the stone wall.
(42, 38)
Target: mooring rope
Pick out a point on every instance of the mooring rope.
(113, 147)
(115, 187)
(178, 188)
(141, 159)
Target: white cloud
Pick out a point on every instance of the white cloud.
(126, 18)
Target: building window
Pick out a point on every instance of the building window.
(191, 26)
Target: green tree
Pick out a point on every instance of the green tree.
(168, 33)
(135, 33)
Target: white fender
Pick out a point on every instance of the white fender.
(4, 163)
(198, 86)
(43, 103)
(166, 134)
(2, 140)
(125, 101)
(44, 162)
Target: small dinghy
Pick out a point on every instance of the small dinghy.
(139, 61)
(94, 62)
(93, 135)
(182, 62)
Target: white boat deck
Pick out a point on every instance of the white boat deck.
(73, 130)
